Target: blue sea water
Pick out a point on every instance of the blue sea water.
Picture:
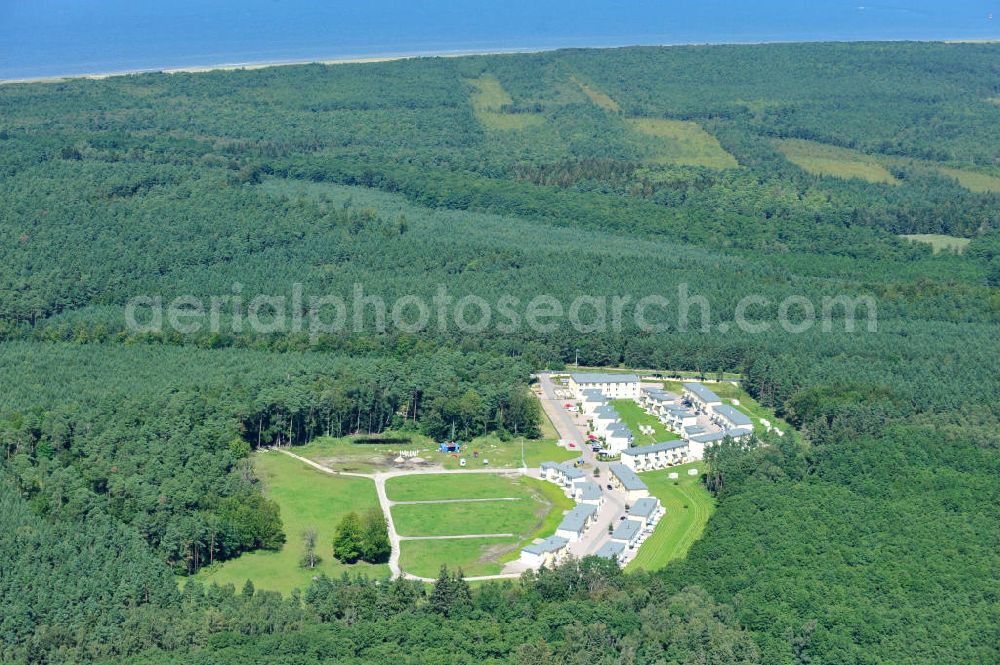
(62, 37)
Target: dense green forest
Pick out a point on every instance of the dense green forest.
(874, 537)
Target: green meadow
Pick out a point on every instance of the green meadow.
(681, 142)
(488, 101)
(633, 415)
(308, 499)
(688, 506)
(822, 159)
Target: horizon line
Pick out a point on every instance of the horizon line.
(450, 53)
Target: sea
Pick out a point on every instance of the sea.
(44, 38)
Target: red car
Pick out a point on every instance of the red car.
(571, 444)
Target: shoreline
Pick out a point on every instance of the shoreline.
(232, 66)
(388, 57)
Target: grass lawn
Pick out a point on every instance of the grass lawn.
(940, 242)
(824, 159)
(478, 556)
(633, 416)
(682, 142)
(308, 499)
(488, 99)
(748, 405)
(536, 515)
(518, 518)
(688, 506)
(452, 486)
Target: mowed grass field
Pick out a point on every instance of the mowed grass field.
(940, 242)
(536, 513)
(434, 487)
(478, 556)
(822, 159)
(688, 506)
(308, 499)
(488, 99)
(633, 415)
(681, 142)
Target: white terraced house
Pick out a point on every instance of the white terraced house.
(611, 550)
(627, 533)
(677, 418)
(563, 474)
(576, 521)
(604, 416)
(656, 456)
(589, 493)
(646, 512)
(700, 398)
(592, 400)
(728, 417)
(618, 437)
(545, 553)
(654, 399)
(626, 480)
(698, 442)
(613, 386)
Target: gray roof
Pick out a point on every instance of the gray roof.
(593, 392)
(627, 530)
(550, 544)
(737, 418)
(644, 507)
(596, 377)
(571, 472)
(694, 429)
(628, 478)
(719, 436)
(610, 549)
(551, 465)
(606, 410)
(655, 448)
(619, 427)
(701, 392)
(679, 411)
(577, 518)
(589, 491)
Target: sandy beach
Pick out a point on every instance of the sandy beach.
(346, 60)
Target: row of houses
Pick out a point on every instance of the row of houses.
(612, 386)
(643, 515)
(639, 523)
(595, 391)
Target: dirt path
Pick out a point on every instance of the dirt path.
(383, 499)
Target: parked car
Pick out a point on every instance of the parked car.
(571, 445)
(610, 487)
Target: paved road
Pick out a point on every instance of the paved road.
(572, 427)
